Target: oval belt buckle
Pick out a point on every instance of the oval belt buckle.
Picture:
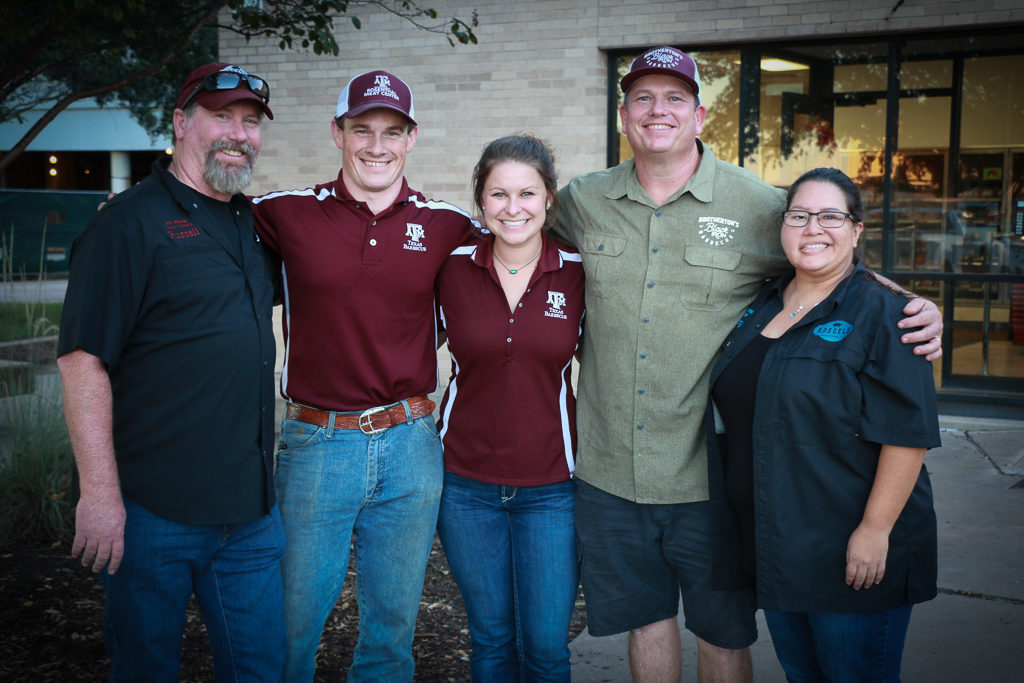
(366, 421)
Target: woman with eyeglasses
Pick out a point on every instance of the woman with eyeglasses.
(817, 430)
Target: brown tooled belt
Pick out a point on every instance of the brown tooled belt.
(370, 421)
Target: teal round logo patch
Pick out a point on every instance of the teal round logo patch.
(837, 330)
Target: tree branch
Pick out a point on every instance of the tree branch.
(135, 77)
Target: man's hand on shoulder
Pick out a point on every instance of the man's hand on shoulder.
(110, 195)
(924, 315)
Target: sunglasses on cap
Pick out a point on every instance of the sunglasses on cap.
(229, 80)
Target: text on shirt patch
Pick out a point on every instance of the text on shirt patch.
(715, 230)
(837, 330)
(414, 231)
(181, 229)
(555, 302)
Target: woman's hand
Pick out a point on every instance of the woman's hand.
(865, 557)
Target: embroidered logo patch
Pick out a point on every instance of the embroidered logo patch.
(662, 57)
(381, 86)
(837, 330)
(414, 231)
(715, 230)
(556, 300)
(181, 229)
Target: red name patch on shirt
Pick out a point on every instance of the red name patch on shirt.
(180, 229)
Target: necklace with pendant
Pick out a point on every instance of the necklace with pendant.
(800, 308)
(513, 271)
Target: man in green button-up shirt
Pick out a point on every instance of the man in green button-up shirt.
(675, 244)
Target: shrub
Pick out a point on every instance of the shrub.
(36, 465)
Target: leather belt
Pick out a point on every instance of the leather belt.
(370, 421)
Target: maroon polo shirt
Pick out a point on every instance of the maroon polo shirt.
(358, 292)
(509, 414)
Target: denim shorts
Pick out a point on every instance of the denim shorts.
(636, 560)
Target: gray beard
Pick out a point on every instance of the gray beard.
(228, 179)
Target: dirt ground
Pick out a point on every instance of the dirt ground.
(52, 624)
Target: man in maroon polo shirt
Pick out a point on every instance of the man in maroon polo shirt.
(359, 453)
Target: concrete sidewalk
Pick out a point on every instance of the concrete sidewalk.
(973, 632)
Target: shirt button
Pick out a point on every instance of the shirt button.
(640, 391)
(639, 426)
(657, 213)
(650, 285)
(520, 305)
(373, 223)
(654, 250)
(511, 320)
(508, 339)
(373, 243)
(646, 319)
(600, 247)
(643, 355)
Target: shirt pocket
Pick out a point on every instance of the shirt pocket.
(198, 287)
(601, 262)
(709, 277)
(820, 386)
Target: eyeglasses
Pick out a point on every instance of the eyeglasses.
(229, 80)
(826, 219)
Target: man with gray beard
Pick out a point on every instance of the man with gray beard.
(166, 354)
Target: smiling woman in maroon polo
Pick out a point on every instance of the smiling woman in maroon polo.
(512, 306)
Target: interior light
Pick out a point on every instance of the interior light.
(53, 171)
(169, 151)
(87, 171)
(776, 64)
(53, 158)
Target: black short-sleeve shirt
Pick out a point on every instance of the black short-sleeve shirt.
(174, 292)
(831, 391)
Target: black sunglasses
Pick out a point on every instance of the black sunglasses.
(229, 80)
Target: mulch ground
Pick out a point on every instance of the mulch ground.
(52, 624)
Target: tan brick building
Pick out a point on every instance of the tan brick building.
(921, 102)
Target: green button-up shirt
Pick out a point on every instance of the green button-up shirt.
(664, 287)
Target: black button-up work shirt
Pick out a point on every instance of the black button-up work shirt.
(832, 390)
(173, 291)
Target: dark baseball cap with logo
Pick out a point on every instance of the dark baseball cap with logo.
(667, 61)
(374, 90)
(219, 84)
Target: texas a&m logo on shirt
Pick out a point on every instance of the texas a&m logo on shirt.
(556, 300)
(414, 231)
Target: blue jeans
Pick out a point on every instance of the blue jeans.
(382, 488)
(234, 571)
(840, 647)
(512, 551)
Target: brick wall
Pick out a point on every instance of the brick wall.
(539, 67)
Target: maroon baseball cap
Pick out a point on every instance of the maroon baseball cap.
(372, 90)
(218, 85)
(663, 60)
